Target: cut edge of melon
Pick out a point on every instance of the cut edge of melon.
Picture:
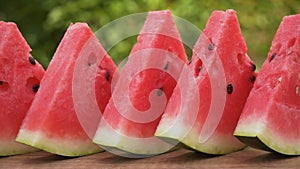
(267, 142)
(247, 131)
(210, 147)
(9, 148)
(263, 138)
(278, 145)
(248, 127)
(191, 140)
(106, 137)
(167, 128)
(64, 147)
(217, 144)
(254, 142)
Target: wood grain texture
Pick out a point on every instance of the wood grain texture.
(248, 158)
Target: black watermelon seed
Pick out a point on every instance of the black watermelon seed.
(253, 67)
(190, 62)
(211, 46)
(1, 82)
(32, 60)
(35, 87)
(166, 67)
(160, 91)
(252, 78)
(273, 56)
(229, 88)
(107, 76)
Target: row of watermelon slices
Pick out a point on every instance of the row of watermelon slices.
(166, 103)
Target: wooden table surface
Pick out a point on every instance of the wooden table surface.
(248, 158)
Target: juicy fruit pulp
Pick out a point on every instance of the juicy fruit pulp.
(52, 123)
(270, 119)
(130, 119)
(221, 69)
(20, 76)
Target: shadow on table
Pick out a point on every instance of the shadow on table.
(45, 158)
(172, 157)
(272, 157)
(192, 156)
(111, 158)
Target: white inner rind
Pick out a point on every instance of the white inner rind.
(251, 127)
(60, 146)
(218, 143)
(109, 137)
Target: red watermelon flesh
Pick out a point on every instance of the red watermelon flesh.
(271, 117)
(210, 128)
(20, 77)
(128, 123)
(51, 123)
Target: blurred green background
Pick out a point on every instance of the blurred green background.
(43, 22)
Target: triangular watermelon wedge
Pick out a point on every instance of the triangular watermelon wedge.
(52, 123)
(271, 117)
(224, 75)
(20, 76)
(143, 90)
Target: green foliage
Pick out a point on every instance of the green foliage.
(43, 23)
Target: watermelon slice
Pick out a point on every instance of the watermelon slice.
(143, 90)
(224, 75)
(52, 123)
(20, 76)
(271, 117)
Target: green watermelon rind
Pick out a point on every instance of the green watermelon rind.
(211, 146)
(215, 147)
(254, 142)
(63, 147)
(263, 139)
(130, 145)
(189, 141)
